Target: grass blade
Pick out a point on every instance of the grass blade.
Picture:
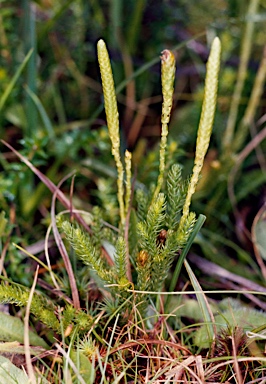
(184, 253)
(46, 121)
(14, 79)
(203, 303)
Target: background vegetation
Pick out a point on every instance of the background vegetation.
(51, 108)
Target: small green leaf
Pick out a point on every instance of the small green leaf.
(187, 308)
(14, 79)
(84, 366)
(259, 232)
(16, 115)
(12, 329)
(245, 318)
(14, 347)
(10, 374)
(3, 223)
(45, 118)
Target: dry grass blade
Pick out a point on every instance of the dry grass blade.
(26, 331)
(177, 372)
(199, 366)
(209, 372)
(62, 249)
(142, 342)
(46, 252)
(71, 364)
(235, 364)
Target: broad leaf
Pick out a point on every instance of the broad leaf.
(12, 329)
(10, 374)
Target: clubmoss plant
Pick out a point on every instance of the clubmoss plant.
(40, 307)
(162, 231)
(44, 310)
(155, 223)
